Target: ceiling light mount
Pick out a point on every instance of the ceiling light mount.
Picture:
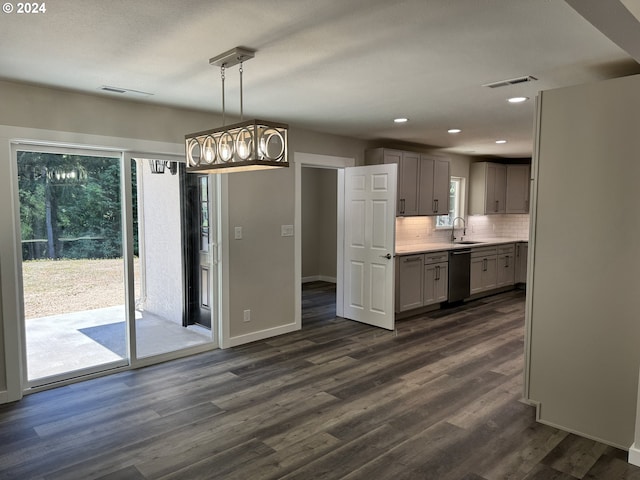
(232, 57)
(247, 145)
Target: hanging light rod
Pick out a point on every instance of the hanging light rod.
(248, 145)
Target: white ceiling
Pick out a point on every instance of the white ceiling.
(338, 66)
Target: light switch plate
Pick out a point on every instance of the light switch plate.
(286, 230)
(237, 231)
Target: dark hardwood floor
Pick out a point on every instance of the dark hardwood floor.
(437, 399)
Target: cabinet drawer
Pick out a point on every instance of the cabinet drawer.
(411, 258)
(506, 249)
(436, 257)
(484, 252)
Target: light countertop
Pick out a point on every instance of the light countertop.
(440, 246)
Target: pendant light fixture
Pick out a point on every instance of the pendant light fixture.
(247, 145)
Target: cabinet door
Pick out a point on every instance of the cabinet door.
(436, 283)
(517, 189)
(506, 270)
(441, 186)
(521, 268)
(476, 275)
(442, 282)
(408, 184)
(410, 282)
(430, 281)
(426, 205)
(501, 188)
(490, 273)
(496, 188)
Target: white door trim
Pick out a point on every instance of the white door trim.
(300, 160)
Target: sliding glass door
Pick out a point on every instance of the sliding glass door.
(106, 258)
(72, 262)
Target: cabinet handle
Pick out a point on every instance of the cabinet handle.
(435, 206)
(402, 205)
(497, 204)
(484, 264)
(506, 264)
(438, 272)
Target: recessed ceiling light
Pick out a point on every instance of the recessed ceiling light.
(501, 141)
(517, 99)
(401, 120)
(454, 130)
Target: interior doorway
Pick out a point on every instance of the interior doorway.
(319, 236)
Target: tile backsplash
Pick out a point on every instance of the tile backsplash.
(419, 230)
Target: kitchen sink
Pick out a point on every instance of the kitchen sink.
(467, 242)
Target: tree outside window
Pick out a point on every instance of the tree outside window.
(456, 203)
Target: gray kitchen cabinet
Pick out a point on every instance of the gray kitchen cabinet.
(484, 269)
(488, 188)
(436, 278)
(522, 252)
(408, 176)
(434, 186)
(409, 282)
(517, 199)
(423, 181)
(506, 265)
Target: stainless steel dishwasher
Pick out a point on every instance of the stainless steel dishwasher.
(459, 274)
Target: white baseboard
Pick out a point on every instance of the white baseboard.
(4, 397)
(318, 278)
(260, 335)
(634, 455)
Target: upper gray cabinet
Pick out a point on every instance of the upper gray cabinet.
(423, 181)
(517, 189)
(433, 192)
(488, 188)
(498, 188)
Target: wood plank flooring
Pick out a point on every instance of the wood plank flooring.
(437, 399)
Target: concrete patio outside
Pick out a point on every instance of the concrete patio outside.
(63, 343)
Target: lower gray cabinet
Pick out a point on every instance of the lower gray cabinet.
(409, 277)
(436, 278)
(484, 269)
(506, 265)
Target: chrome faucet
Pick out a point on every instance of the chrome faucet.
(453, 228)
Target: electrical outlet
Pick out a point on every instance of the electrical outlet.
(286, 230)
(247, 316)
(237, 233)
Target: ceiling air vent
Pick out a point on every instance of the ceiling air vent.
(107, 88)
(512, 81)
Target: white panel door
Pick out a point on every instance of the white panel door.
(370, 197)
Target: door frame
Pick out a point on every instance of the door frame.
(301, 160)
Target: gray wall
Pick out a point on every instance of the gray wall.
(261, 265)
(319, 223)
(162, 243)
(584, 302)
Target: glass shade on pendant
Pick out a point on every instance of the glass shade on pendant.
(250, 145)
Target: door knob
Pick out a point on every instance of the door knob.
(387, 256)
